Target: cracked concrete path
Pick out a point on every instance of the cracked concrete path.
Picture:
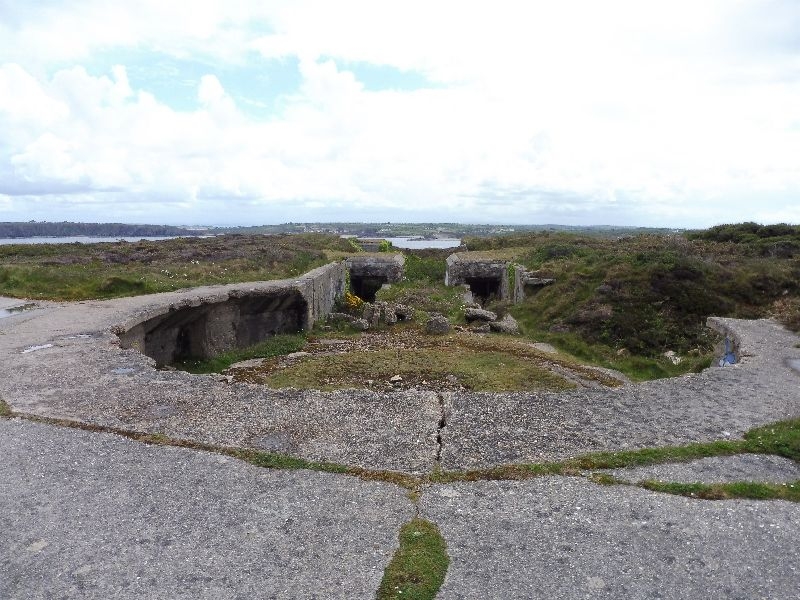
(96, 516)
(566, 538)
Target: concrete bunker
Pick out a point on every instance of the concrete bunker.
(487, 278)
(370, 272)
(233, 317)
(207, 329)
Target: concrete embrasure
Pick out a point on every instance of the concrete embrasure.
(567, 538)
(95, 516)
(762, 468)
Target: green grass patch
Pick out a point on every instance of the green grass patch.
(728, 491)
(476, 370)
(273, 460)
(5, 409)
(277, 345)
(419, 566)
(782, 438)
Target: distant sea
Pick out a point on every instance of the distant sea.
(398, 242)
(81, 239)
(417, 244)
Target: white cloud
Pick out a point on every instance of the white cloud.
(537, 110)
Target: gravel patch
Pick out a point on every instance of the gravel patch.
(567, 538)
(761, 468)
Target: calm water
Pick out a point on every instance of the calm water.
(411, 243)
(80, 239)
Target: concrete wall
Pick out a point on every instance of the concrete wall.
(478, 272)
(204, 327)
(369, 271)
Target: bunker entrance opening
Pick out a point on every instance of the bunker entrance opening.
(204, 331)
(366, 287)
(484, 289)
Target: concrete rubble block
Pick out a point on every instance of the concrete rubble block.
(479, 314)
(403, 312)
(507, 324)
(359, 324)
(437, 324)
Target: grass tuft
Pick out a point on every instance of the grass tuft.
(419, 566)
(277, 345)
(782, 438)
(5, 409)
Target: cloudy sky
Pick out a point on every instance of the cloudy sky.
(669, 113)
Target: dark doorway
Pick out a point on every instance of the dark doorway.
(484, 288)
(366, 287)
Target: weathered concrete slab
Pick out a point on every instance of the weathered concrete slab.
(62, 361)
(567, 538)
(720, 403)
(88, 515)
(718, 469)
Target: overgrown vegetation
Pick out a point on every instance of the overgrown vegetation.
(278, 345)
(404, 358)
(419, 566)
(473, 369)
(110, 270)
(641, 296)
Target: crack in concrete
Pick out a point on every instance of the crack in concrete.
(440, 427)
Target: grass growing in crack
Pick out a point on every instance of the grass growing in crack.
(418, 567)
(728, 491)
(781, 438)
(271, 460)
(652, 456)
(5, 409)
(503, 473)
(278, 345)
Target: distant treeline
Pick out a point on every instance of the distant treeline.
(67, 229)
